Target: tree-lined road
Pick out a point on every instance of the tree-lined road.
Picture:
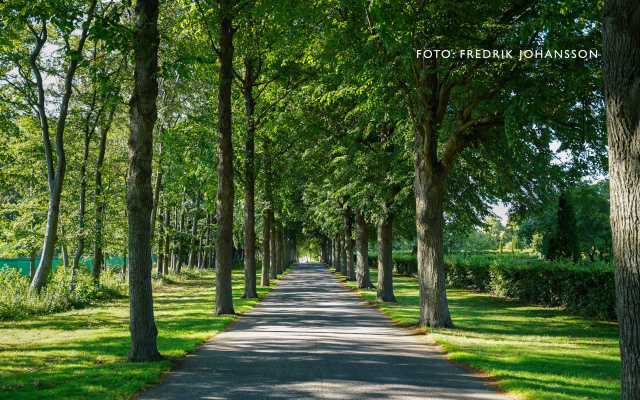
(312, 338)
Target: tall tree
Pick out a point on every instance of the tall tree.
(225, 13)
(565, 243)
(621, 52)
(55, 174)
(143, 114)
(251, 72)
(470, 109)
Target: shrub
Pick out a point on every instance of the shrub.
(405, 264)
(17, 300)
(373, 260)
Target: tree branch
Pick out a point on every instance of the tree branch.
(206, 24)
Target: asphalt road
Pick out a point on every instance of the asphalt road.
(311, 338)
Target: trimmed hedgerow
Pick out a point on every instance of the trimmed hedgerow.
(587, 290)
(405, 264)
(402, 264)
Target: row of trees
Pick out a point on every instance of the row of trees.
(174, 95)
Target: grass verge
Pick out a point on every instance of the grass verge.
(80, 354)
(531, 351)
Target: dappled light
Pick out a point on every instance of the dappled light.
(311, 338)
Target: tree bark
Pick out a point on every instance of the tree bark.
(98, 255)
(332, 247)
(363, 276)
(273, 269)
(287, 249)
(194, 233)
(224, 237)
(429, 192)
(83, 194)
(338, 253)
(55, 177)
(344, 262)
(621, 55)
(349, 244)
(143, 114)
(156, 194)
(200, 260)
(65, 254)
(160, 255)
(167, 240)
(124, 262)
(249, 231)
(32, 264)
(266, 248)
(279, 252)
(181, 235)
(385, 258)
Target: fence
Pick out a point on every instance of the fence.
(23, 263)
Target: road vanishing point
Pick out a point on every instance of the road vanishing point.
(311, 338)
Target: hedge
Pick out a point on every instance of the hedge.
(588, 290)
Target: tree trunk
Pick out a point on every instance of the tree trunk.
(207, 251)
(194, 232)
(429, 191)
(385, 258)
(287, 249)
(224, 237)
(124, 262)
(98, 255)
(200, 260)
(363, 276)
(279, 251)
(181, 235)
(266, 248)
(338, 254)
(96, 266)
(65, 254)
(344, 262)
(621, 55)
(349, 245)
(32, 264)
(156, 194)
(83, 195)
(273, 269)
(249, 232)
(167, 241)
(332, 247)
(160, 255)
(143, 114)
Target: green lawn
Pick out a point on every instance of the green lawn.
(80, 354)
(531, 351)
